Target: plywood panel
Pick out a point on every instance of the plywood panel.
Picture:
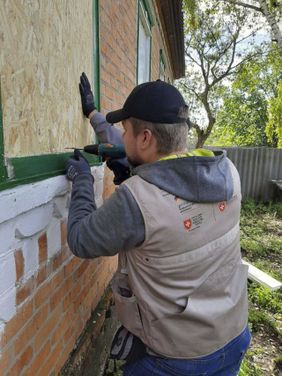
(45, 45)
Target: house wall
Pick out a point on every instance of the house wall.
(46, 294)
(118, 56)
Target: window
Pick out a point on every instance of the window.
(15, 168)
(145, 23)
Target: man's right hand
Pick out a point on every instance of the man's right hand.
(120, 168)
(87, 97)
(77, 165)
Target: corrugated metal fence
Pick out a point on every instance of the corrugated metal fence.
(257, 167)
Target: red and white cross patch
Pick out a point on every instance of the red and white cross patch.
(221, 206)
(187, 224)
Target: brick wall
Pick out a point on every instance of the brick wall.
(118, 40)
(118, 57)
(46, 294)
(54, 306)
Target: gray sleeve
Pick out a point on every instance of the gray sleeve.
(106, 132)
(117, 225)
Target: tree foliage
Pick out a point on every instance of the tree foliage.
(274, 124)
(271, 10)
(216, 48)
(251, 111)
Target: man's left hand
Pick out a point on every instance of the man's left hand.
(87, 97)
(77, 165)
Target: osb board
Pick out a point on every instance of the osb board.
(45, 45)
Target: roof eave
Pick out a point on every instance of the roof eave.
(172, 20)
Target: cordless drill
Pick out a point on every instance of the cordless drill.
(105, 150)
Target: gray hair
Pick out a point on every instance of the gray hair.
(169, 137)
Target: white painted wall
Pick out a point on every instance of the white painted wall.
(25, 212)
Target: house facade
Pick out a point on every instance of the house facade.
(46, 294)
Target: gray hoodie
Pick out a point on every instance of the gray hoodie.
(118, 224)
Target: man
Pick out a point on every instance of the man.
(180, 286)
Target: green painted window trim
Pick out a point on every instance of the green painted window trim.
(96, 53)
(28, 169)
(137, 41)
(146, 7)
(162, 66)
(24, 170)
(147, 18)
(3, 174)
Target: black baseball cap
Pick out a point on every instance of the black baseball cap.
(155, 101)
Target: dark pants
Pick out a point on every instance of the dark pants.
(223, 362)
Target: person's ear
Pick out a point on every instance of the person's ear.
(146, 138)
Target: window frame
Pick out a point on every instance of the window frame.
(3, 173)
(27, 169)
(146, 16)
(162, 65)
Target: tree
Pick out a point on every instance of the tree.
(271, 10)
(250, 112)
(242, 121)
(274, 124)
(215, 50)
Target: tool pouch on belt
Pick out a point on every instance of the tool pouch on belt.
(126, 346)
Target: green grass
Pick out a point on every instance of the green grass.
(261, 243)
(261, 229)
(278, 361)
(249, 369)
(261, 297)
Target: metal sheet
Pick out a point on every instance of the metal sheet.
(257, 168)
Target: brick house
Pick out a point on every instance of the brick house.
(46, 294)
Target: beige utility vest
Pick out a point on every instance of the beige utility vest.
(186, 281)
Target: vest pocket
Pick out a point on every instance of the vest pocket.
(168, 336)
(127, 310)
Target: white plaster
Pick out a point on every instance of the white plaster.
(30, 254)
(8, 305)
(33, 222)
(54, 237)
(7, 272)
(29, 196)
(7, 237)
(28, 209)
(60, 206)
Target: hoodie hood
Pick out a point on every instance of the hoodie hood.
(195, 179)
